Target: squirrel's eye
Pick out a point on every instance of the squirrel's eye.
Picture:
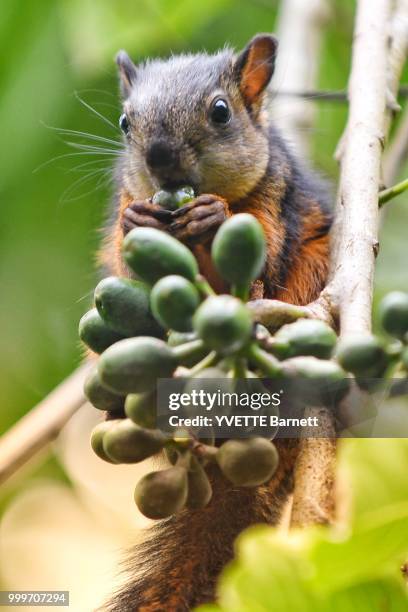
(220, 112)
(124, 123)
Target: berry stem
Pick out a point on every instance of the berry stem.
(205, 451)
(184, 460)
(265, 362)
(240, 369)
(241, 292)
(189, 350)
(203, 286)
(208, 361)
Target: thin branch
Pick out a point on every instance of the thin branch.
(327, 95)
(395, 156)
(388, 194)
(397, 54)
(299, 31)
(274, 313)
(42, 424)
(397, 152)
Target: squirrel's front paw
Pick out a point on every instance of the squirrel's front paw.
(145, 214)
(198, 220)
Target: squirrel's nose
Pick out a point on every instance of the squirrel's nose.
(160, 156)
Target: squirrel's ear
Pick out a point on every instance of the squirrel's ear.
(127, 72)
(254, 66)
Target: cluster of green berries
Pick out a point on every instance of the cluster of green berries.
(168, 323)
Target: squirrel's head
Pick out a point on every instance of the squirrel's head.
(197, 120)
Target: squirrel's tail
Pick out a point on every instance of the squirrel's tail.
(176, 568)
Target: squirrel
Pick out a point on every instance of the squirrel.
(202, 120)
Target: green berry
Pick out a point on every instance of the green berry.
(99, 396)
(171, 200)
(224, 323)
(306, 337)
(239, 250)
(152, 254)
(95, 333)
(249, 462)
(363, 355)
(126, 442)
(141, 409)
(393, 311)
(97, 437)
(133, 365)
(158, 495)
(174, 300)
(124, 304)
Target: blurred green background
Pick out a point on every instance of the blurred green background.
(52, 206)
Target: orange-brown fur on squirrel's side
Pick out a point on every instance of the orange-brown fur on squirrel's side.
(202, 120)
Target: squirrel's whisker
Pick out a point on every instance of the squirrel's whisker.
(66, 196)
(97, 113)
(78, 133)
(85, 296)
(49, 161)
(87, 164)
(89, 147)
(95, 90)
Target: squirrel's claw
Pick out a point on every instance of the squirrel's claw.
(154, 210)
(198, 220)
(202, 200)
(144, 214)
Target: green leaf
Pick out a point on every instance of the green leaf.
(313, 571)
(347, 567)
(263, 576)
(375, 471)
(381, 595)
(343, 559)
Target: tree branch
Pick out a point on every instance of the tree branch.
(356, 225)
(313, 499)
(349, 292)
(42, 424)
(274, 313)
(299, 31)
